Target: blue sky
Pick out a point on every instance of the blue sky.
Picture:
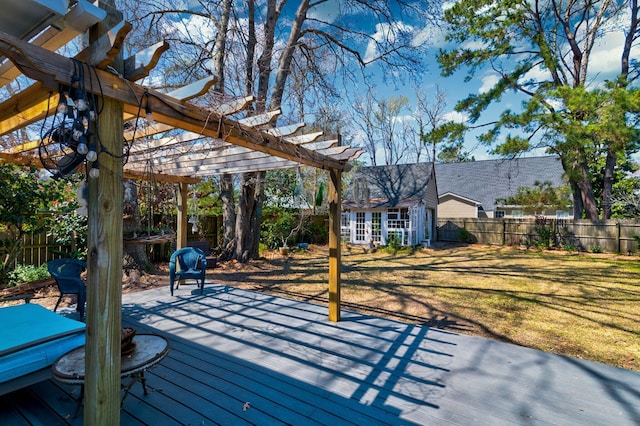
(604, 63)
(605, 60)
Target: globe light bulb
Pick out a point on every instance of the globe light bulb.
(94, 172)
(76, 134)
(83, 149)
(91, 155)
(81, 104)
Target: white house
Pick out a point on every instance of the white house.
(386, 202)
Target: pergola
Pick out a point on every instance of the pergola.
(210, 142)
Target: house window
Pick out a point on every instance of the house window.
(516, 213)
(499, 214)
(360, 226)
(398, 218)
(345, 226)
(376, 226)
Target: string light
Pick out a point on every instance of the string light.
(69, 141)
(95, 171)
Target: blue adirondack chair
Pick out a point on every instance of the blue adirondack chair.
(192, 264)
(66, 273)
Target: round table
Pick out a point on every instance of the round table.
(149, 350)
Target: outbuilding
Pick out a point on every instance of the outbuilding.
(387, 204)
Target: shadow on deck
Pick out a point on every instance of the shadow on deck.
(242, 357)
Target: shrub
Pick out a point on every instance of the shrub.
(27, 273)
(393, 241)
(314, 233)
(545, 235)
(466, 237)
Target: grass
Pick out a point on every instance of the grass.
(581, 305)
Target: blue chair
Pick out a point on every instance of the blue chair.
(66, 273)
(192, 264)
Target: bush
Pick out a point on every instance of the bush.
(545, 236)
(393, 241)
(26, 273)
(315, 233)
(276, 225)
(466, 237)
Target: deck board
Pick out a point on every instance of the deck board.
(241, 357)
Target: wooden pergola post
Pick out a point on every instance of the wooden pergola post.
(104, 260)
(335, 211)
(183, 213)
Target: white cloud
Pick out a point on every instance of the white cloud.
(407, 119)
(605, 57)
(385, 32)
(448, 5)
(196, 27)
(474, 45)
(429, 35)
(537, 73)
(455, 116)
(488, 82)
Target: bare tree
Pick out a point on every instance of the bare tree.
(384, 128)
(429, 114)
(318, 47)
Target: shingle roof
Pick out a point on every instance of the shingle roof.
(485, 181)
(392, 186)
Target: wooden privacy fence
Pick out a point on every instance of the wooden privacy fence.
(612, 236)
(38, 249)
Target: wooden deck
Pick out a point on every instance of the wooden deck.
(240, 357)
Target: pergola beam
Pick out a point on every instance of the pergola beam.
(48, 66)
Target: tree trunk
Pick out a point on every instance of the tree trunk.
(256, 219)
(228, 217)
(251, 46)
(264, 61)
(284, 67)
(607, 184)
(586, 190)
(251, 198)
(135, 255)
(244, 221)
(226, 181)
(578, 207)
(220, 49)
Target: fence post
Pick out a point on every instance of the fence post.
(504, 231)
(619, 229)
